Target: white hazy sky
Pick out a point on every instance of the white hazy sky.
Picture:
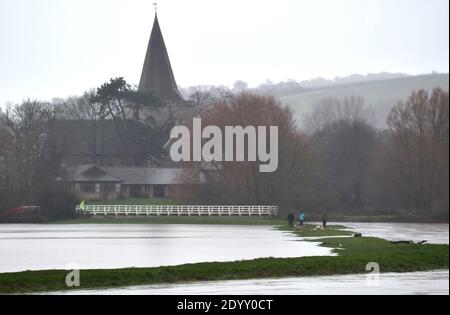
(57, 48)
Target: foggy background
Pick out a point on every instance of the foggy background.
(53, 48)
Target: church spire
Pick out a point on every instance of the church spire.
(157, 75)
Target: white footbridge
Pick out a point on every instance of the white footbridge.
(122, 210)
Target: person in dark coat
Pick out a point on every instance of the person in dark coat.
(324, 221)
(291, 219)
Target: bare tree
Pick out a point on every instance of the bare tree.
(331, 110)
(82, 108)
(5, 148)
(343, 142)
(92, 124)
(31, 162)
(419, 149)
(27, 124)
(205, 98)
(240, 87)
(242, 182)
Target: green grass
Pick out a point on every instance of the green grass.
(136, 202)
(354, 255)
(213, 220)
(353, 260)
(312, 231)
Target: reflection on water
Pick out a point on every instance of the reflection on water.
(39, 247)
(421, 283)
(433, 233)
(44, 247)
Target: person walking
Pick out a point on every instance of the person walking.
(324, 221)
(291, 219)
(301, 218)
(82, 207)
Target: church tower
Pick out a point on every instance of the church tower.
(157, 77)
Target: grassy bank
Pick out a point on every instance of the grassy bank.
(384, 219)
(234, 220)
(312, 231)
(224, 220)
(354, 255)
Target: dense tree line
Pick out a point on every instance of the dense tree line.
(37, 139)
(418, 151)
(242, 182)
(29, 165)
(117, 125)
(339, 163)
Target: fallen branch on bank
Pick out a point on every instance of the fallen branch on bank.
(409, 242)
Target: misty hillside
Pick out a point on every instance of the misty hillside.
(379, 94)
(354, 78)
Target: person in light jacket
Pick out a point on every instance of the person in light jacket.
(301, 218)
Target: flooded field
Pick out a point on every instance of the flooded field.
(420, 283)
(45, 247)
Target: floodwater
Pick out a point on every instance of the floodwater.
(43, 247)
(64, 247)
(420, 283)
(433, 233)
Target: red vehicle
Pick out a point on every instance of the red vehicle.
(20, 213)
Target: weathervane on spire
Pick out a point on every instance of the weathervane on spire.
(155, 4)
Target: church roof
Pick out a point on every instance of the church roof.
(157, 75)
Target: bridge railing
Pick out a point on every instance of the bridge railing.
(177, 210)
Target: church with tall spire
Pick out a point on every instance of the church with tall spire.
(99, 170)
(158, 77)
(100, 142)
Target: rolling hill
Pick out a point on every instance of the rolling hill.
(381, 95)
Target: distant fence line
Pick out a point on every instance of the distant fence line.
(122, 210)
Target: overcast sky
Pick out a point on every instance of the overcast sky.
(56, 48)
